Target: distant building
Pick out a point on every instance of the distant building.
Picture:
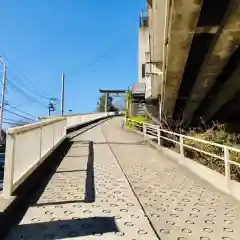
(143, 47)
(151, 48)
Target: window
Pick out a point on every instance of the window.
(143, 70)
(147, 56)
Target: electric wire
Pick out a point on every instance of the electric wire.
(19, 115)
(26, 78)
(17, 89)
(11, 106)
(16, 78)
(16, 86)
(12, 123)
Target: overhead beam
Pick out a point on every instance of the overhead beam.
(227, 92)
(182, 26)
(112, 91)
(226, 40)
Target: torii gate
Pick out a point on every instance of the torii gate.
(107, 92)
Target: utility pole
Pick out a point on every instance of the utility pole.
(49, 109)
(106, 102)
(62, 94)
(3, 95)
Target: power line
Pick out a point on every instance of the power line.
(9, 119)
(101, 57)
(18, 115)
(16, 122)
(26, 86)
(26, 78)
(17, 89)
(9, 105)
(12, 123)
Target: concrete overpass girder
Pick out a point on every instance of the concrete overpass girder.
(230, 88)
(223, 46)
(184, 18)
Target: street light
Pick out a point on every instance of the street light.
(3, 94)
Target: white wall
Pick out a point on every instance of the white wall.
(143, 48)
(73, 121)
(157, 20)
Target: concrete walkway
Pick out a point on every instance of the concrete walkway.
(89, 196)
(179, 204)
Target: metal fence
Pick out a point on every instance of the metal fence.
(154, 132)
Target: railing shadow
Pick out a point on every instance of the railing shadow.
(66, 229)
(80, 129)
(30, 191)
(120, 143)
(57, 229)
(89, 182)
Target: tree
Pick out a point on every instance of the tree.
(101, 104)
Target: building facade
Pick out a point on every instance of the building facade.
(152, 47)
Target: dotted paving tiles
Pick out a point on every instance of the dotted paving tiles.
(180, 205)
(87, 198)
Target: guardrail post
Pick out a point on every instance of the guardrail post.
(53, 133)
(227, 165)
(64, 128)
(159, 136)
(40, 143)
(145, 131)
(181, 145)
(9, 165)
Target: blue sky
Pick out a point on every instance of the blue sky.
(94, 42)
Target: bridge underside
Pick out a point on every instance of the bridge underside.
(207, 63)
(110, 185)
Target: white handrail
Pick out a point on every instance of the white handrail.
(28, 127)
(76, 120)
(225, 149)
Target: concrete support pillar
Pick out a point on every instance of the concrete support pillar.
(183, 21)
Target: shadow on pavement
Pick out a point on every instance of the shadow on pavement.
(65, 229)
(89, 183)
(121, 143)
(71, 171)
(58, 228)
(80, 129)
(32, 188)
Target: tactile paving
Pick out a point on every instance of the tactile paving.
(180, 205)
(87, 198)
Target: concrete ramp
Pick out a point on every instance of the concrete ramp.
(112, 186)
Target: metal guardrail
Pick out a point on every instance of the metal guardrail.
(155, 132)
(27, 146)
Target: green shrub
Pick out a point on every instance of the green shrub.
(140, 119)
(218, 135)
